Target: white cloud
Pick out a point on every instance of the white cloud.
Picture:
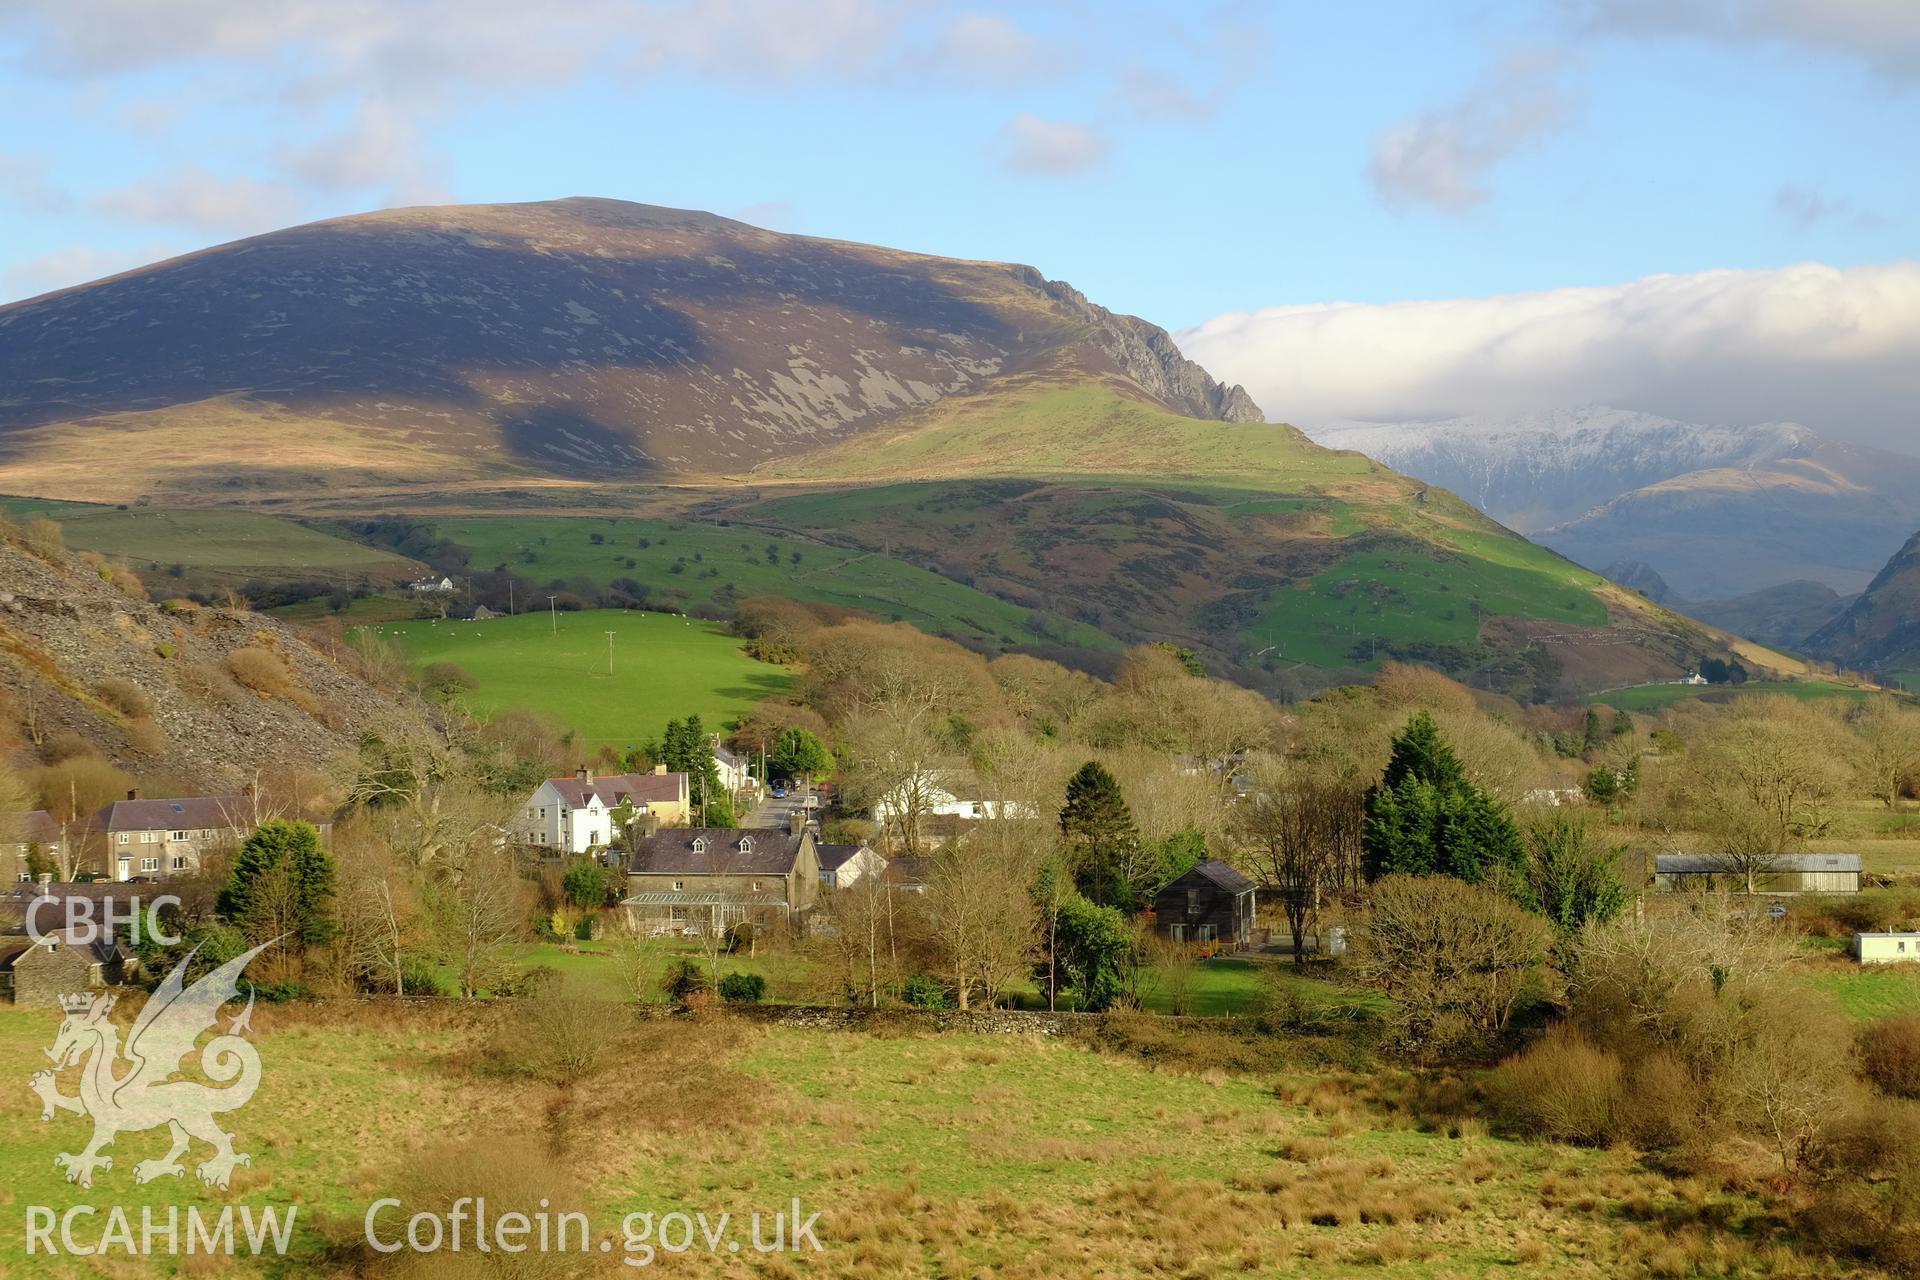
(1884, 34)
(1030, 144)
(1443, 158)
(193, 199)
(64, 267)
(26, 182)
(1829, 347)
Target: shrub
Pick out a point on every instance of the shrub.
(42, 537)
(1563, 1089)
(261, 670)
(444, 681)
(743, 988)
(923, 992)
(124, 696)
(683, 980)
(1890, 1055)
(741, 937)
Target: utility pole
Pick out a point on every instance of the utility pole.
(609, 653)
(553, 615)
(509, 595)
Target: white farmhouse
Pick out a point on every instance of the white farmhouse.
(571, 815)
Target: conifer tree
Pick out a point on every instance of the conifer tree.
(1428, 818)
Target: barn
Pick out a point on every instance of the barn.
(1211, 903)
(1787, 873)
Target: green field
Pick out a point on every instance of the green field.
(1882, 991)
(689, 564)
(1353, 614)
(1658, 697)
(230, 546)
(664, 667)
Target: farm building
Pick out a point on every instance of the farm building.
(1788, 873)
(1211, 903)
(1886, 948)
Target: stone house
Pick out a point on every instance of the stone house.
(694, 879)
(842, 865)
(62, 962)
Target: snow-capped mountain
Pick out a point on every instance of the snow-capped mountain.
(1717, 511)
(1533, 471)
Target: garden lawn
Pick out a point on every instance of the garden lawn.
(664, 668)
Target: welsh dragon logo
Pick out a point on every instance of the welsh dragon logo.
(136, 1088)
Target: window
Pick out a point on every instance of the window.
(149, 837)
(1207, 932)
(1178, 932)
(678, 885)
(149, 864)
(677, 913)
(699, 844)
(179, 863)
(179, 835)
(123, 837)
(756, 886)
(543, 837)
(746, 844)
(1193, 902)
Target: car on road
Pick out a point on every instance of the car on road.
(779, 791)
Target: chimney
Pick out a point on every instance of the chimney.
(660, 771)
(797, 822)
(133, 793)
(583, 773)
(46, 884)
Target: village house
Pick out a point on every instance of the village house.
(141, 838)
(699, 879)
(61, 962)
(736, 774)
(30, 833)
(1211, 903)
(844, 865)
(61, 906)
(906, 872)
(572, 815)
(934, 800)
(431, 585)
(1787, 873)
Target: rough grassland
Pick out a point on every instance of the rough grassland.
(927, 1155)
(663, 668)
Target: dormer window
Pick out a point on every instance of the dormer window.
(746, 844)
(699, 844)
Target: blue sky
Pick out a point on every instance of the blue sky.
(1229, 160)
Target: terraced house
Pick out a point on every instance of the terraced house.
(138, 837)
(571, 815)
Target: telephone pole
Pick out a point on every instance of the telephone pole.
(609, 653)
(553, 615)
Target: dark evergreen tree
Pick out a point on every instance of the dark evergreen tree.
(1101, 841)
(686, 748)
(281, 883)
(1427, 818)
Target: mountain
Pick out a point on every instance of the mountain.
(1716, 511)
(573, 337)
(1880, 631)
(888, 415)
(1784, 615)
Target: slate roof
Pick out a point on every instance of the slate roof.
(641, 788)
(671, 852)
(100, 949)
(36, 826)
(835, 856)
(184, 813)
(1705, 864)
(1220, 874)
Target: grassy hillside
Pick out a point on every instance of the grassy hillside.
(663, 668)
(1655, 697)
(214, 546)
(688, 563)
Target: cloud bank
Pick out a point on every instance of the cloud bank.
(1836, 349)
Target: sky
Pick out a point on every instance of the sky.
(1373, 209)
